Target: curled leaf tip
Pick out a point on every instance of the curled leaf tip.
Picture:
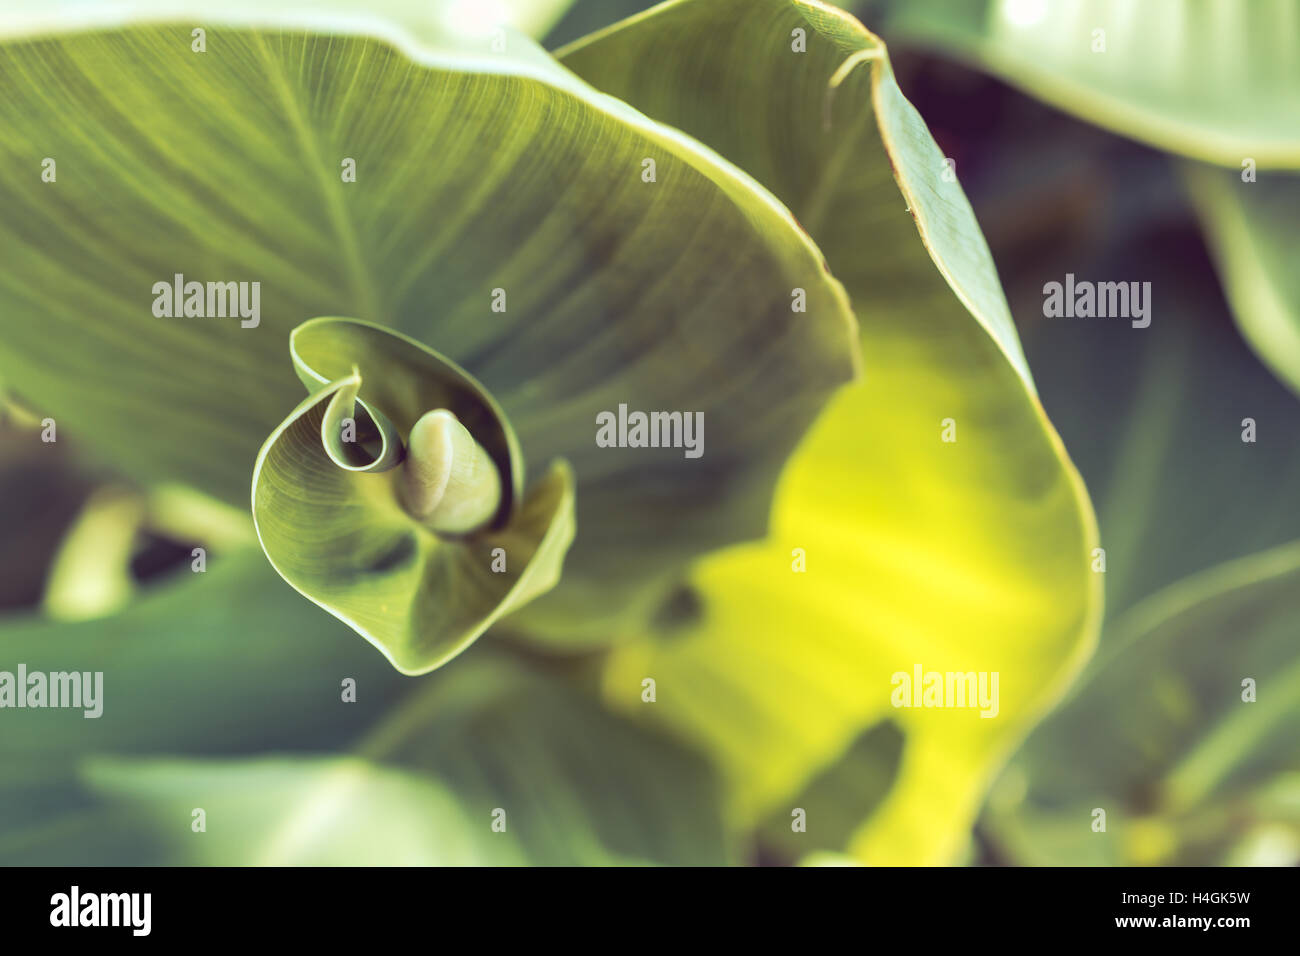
(423, 560)
(357, 436)
(448, 481)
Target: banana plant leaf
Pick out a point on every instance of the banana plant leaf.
(571, 254)
(953, 555)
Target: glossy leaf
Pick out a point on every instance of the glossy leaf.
(527, 247)
(963, 555)
(334, 526)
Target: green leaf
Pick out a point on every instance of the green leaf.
(329, 512)
(1155, 417)
(1155, 420)
(226, 166)
(213, 663)
(1160, 736)
(579, 785)
(784, 669)
(1215, 80)
(346, 811)
(275, 811)
(219, 693)
(201, 663)
(1252, 229)
(836, 142)
(965, 555)
(835, 802)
